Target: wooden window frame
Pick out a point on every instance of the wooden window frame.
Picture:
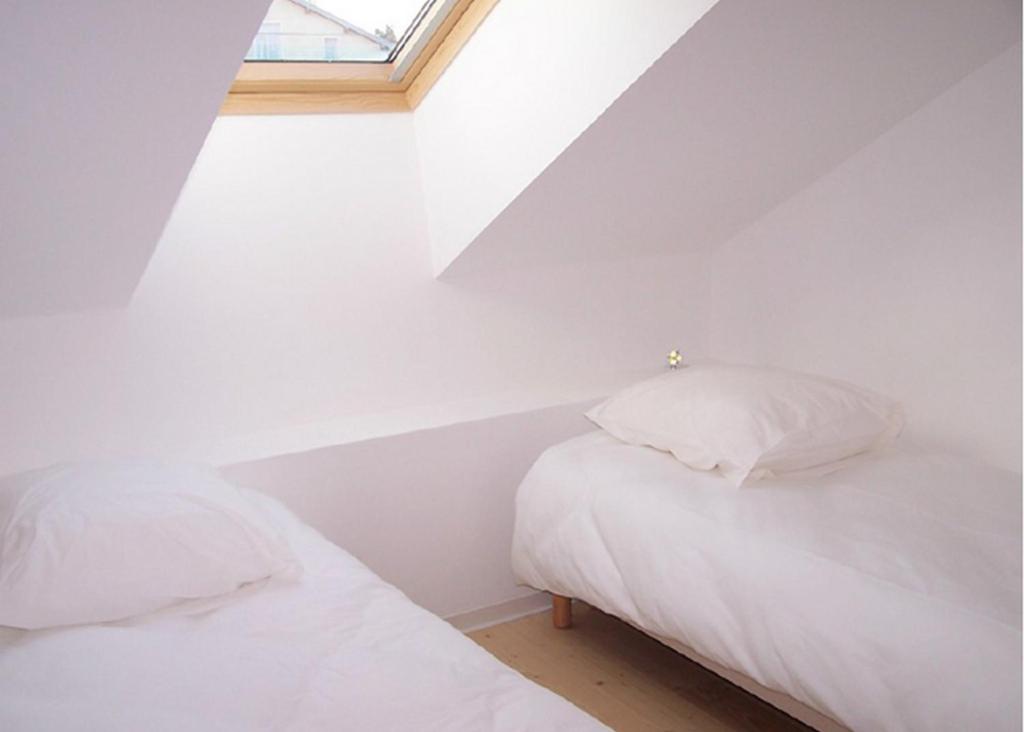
(338, 87)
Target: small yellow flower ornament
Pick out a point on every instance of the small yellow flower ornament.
(675, 359)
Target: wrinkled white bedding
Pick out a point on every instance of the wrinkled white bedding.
(338, 650)
(886, 595)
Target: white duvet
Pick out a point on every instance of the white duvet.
(886, 595)
(339, 650)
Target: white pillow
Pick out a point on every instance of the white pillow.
(748, 421)
(90, 543)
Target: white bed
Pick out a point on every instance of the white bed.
(886, 596)
(338, 650)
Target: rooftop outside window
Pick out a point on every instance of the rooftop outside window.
(371, 31)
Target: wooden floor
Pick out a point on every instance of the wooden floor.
(626, 679)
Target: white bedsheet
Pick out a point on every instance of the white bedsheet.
(886, 595)
(339, 650)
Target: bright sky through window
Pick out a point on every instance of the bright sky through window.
(335, 30)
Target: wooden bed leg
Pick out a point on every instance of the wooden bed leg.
(561, 611)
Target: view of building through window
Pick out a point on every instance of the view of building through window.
(335, 30)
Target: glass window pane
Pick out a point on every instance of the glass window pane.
(335, 30)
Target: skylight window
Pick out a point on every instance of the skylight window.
(333, 56)
(361, 31)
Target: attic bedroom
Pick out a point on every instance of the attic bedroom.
(511, 365)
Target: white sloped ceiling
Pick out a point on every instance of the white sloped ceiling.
(105, 107)
(752, 104)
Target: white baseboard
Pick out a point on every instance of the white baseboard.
(485, 617)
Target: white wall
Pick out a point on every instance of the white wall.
(430, 511)
(532, 78)
(293, 284)
(900, 270)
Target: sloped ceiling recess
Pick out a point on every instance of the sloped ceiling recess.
(106, 105)
(752, 104)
